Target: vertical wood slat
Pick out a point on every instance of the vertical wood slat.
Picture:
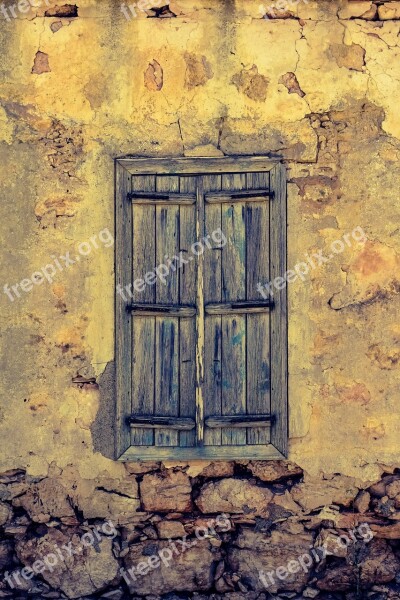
(233, 328)
(257, 326)
(167, 329)
(143, 329)
(213, 332)
(200, 318)
(187, 327)
(123, 325)
(279, 357)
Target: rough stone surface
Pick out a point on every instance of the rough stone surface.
(274, 471)
(45, 500)
(254, 553)
(313, 494)
(168, 491)
(189, 570)
(89, 570)
(170, 529)
(234, 496)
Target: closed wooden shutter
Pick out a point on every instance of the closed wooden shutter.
(207, 367)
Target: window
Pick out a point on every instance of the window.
(201, 355)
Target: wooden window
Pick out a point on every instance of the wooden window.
(201, 356)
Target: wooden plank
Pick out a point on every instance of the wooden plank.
(167, 377)
(239, 421)
(152, 422)
(197, 166)
(143, 334)
(143, 365)
(167, 329)
(279, 357)
(243, 307)
(233, 327)
(200, 226)
(257, 326)
(187, 327)
(158, 310)
(255, 452)
(213, 333)
(243, 195)
(162, 198)
(123, 325)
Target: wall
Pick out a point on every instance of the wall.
(317, 84)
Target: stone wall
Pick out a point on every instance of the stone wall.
(232, 531)
(317, 85)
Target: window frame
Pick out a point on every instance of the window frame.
(124, 169)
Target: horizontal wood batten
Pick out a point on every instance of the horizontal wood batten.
(238, 307)
(161, 198)
(179, 423)
(198, 165)
(242, 196)
(252, 452)
(160, 310)
(239, 421)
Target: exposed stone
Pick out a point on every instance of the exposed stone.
(234, 496)
(378, 564)
(329, 540)
(66, 10)
(393, 489)
(255, 553)
(56, 26)
(107, 498)
(89, 570)
(290, 82)
(5, 513)
(361, 503)
(251, 83)
(274, 470)
(286, 501)
(315, 493)
(338, 579)
(41, 63)
(362, 9)
(198, 70)
(388, 532)
(218, 469)
(389, 11)
(45, 500)
(12, 476)
(140, 468)
(351, 57)
(170, 529)
(188, 569)
(378, 489)
(166, 491)
(154, 77)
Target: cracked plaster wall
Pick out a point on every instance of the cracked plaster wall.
(318, 85)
